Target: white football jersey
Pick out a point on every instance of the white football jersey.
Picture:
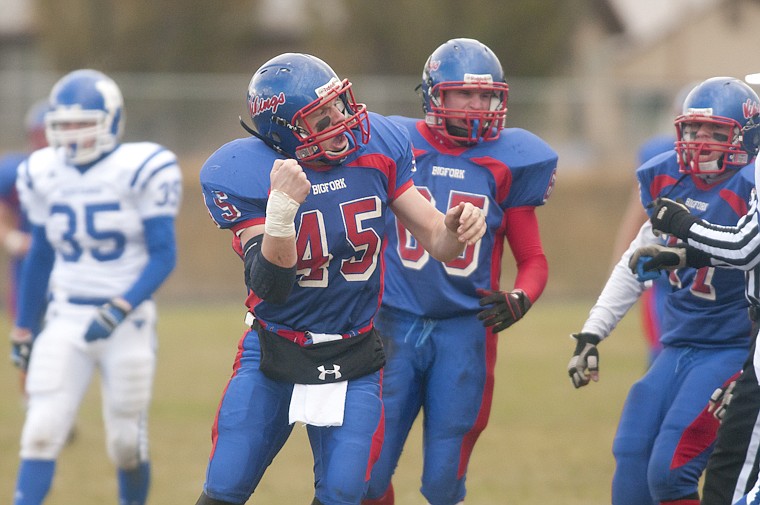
(94, 219)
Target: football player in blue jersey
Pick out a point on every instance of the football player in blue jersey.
(634, 216)
(439, 320)
(102, 241)
(14, 227)
(666, 432)
(732, 470)
(306, 200)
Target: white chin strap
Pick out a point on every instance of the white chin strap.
(338, 153)
(709, 166)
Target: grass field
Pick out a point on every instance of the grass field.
(546, 443)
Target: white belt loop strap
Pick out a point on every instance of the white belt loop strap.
(319, 404)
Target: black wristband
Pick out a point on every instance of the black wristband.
(696, 258)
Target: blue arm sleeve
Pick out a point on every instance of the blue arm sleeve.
(162, 251)
(33, 285)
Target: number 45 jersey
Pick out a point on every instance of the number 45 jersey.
(340, 226)
(515, 170)
(93, 219)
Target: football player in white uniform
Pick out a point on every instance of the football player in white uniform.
(103, 240)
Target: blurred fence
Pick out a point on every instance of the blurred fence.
(590, 122)
(595, 127)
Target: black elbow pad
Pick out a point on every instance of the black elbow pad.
(268, 281)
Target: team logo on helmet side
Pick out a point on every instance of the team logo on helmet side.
(434, 65)
(750, 108)
(112, 99)
(257, 105)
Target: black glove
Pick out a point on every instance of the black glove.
(21, 348)
(652, 258)
(673, 217)
(20, 355)
(506, 308)
(584, 365)
(105, 321)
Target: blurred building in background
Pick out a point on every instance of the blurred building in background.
(626, 60)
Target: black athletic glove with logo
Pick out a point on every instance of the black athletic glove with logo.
(672, 217)
(506, 308)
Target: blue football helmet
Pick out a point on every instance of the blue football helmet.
(34, 124)
(464, 63)
(290, 87)
(718, 102)
(86, 117)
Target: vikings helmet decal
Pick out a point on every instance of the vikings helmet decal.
(289, 88)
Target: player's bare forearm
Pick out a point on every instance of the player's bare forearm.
(444, 237)
(445, 245)
(280, 251)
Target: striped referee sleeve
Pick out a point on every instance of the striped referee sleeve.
(730, 246)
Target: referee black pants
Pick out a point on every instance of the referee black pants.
(733, 466)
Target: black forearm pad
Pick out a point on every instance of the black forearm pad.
(250, 250)
(696, 258)
(268, 281)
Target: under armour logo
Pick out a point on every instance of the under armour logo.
(323, 372)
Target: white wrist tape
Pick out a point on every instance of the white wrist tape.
(15, 242)
(281, 213)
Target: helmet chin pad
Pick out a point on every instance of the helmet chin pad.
(711, 167)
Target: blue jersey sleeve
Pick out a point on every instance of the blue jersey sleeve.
(35, 274)
(8, 170)
(533, 164)
(656, 177)
(395, 143)
(654, 146)
(235, 182)
(162, 252)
